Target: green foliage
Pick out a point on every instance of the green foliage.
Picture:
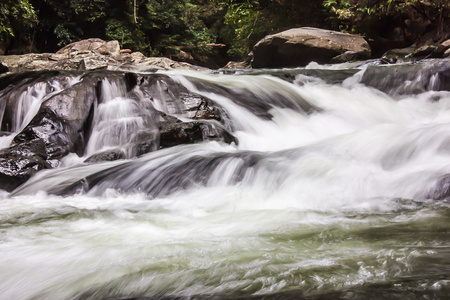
(154, 27)
(241, 19)
(124, 34)
(17, 17)
(164, 27)
(162, 21)
(354, 15)
(195, 16)
(64, 35)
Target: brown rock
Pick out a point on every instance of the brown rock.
(183, 56)
(299, 46)
(110, 48)
(137, 56)
(90, 54)
(344, 57)
(94, 63)
(83, 45)
(446, 44)
(236, 65)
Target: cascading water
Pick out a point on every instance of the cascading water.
(116, 120)
(27, 101)
(328, 194)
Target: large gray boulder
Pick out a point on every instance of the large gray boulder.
(299, 46)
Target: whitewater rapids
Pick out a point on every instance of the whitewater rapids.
(328, 202)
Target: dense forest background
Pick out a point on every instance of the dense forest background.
(212, 30)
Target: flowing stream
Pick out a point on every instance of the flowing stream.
(326, 198)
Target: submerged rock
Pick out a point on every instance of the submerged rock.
(172, 134)
(442, 189)
(299, 46)
(109, 155)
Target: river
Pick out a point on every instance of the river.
(327, 198)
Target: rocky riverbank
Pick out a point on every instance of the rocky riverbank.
(90, 54)
(292, 48)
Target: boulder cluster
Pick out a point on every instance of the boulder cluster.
(295, 47)
(90, 54)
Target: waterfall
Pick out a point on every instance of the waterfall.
(335, 184)
(25, 100)
(116, 119)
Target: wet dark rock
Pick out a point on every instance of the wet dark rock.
(179, 133)
(178, 100)
(3, 68)
(173, 133)
(19, 162)
(74, 103)
(433, 50)
(442, 50)
(423, 51)
(403, 79)
(57, 135)
(160, 180)
(13, 85)
(441, 190)
(109, 155)
(56, 130)
(148, 141)
(38, 146)
(255, 101)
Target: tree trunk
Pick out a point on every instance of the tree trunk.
(135, 10)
